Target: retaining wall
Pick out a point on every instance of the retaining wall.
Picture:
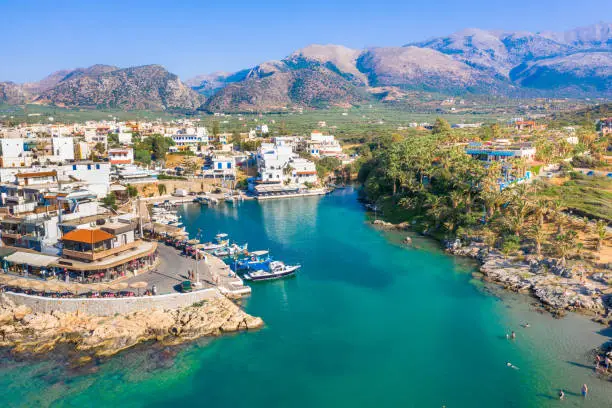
(112, 306)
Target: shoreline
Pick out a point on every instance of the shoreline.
(24, 331)
(539, 277)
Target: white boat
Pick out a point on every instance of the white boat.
(221, 241)
(276, 270)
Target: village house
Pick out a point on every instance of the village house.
(123, 155)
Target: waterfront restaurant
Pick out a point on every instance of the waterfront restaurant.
(95, 255)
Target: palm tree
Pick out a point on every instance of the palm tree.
(601, 229)
(536, 232)
(565, 243)
(540, 209)
(519, 212)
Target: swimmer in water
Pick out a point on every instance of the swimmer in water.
(561, 395)
(513, 335)
(509, 364)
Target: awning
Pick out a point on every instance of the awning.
(27, 258)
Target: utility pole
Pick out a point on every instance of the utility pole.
(197, 256)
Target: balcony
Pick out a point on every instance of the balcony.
(13, 235)
(98, 254)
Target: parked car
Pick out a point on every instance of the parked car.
(186, 286)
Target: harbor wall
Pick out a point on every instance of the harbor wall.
(112, 306)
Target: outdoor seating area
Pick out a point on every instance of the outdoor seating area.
(57, 289)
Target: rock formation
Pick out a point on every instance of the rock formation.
(25, 331)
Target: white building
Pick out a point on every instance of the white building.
(12, 153)
(278, 164)
(121, 156)
(125, 138)
(95, 176)
(188, 142)
(63, 149)
(321, 145)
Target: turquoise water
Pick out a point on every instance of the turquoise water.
(367, 322)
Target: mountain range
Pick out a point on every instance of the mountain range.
(574, 63)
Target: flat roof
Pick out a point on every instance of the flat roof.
(32, 259)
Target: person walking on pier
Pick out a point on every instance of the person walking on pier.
(584, 390)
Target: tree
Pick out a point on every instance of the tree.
(601, 229)
(441, 126)
(536, 232)
(215, 128)
(110, 201)
(511, 245)
(565, 243)
(100, 148)
(113, 140)
(236, 139)
(161, 189)
(132, 191)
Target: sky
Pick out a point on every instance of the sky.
(198, 37)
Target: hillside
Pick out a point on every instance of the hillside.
(575, 63)
(146, 87)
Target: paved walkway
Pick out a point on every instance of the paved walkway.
(172, 270)
(173, 267)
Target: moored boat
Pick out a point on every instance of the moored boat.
(276, 270)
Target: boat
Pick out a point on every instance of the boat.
(220, 241)
(254, 260)
(276, 270)
(230, 250)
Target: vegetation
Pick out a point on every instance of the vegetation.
(167, 177)
(326, 165)
(110, 201)
(447, 194)
(152, 148)
(161, 189)
(132, 191)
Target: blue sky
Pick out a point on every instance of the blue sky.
(193, 37)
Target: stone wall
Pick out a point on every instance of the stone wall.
(112, 306)
(196, 186)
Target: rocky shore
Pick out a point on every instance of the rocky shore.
(560, 288)
(23, 331)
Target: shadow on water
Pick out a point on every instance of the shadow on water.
(574, 363)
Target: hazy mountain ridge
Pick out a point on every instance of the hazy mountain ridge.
(145, 87)
(470, 61)
(574, 63)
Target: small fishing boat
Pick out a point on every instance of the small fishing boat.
(276, 270)
(230, 250)
(220, 241)
(254, 260)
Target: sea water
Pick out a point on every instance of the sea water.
(367, 322)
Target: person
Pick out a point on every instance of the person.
(510, 365)
(154, 290)
(597, 361)
(561, 395)
(585, 390)
(513, 335)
